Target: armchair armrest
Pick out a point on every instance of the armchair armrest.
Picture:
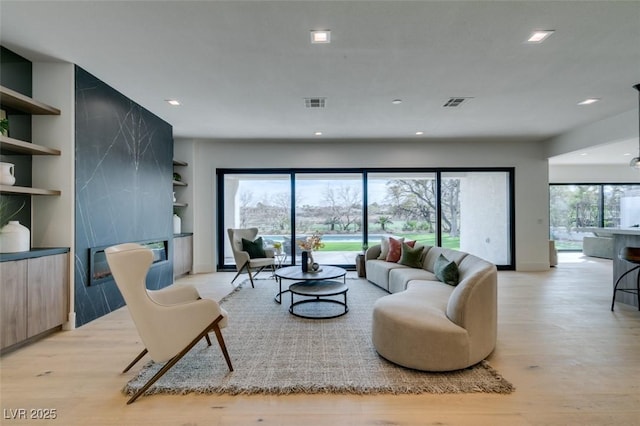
(180, 323)
(176, 293)
(373, 252)
(241, 258)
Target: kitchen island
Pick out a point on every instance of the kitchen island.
(623, 237)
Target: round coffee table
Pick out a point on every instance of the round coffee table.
(295, 273)
(319, 291)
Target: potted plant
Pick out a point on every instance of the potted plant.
(8, 211)
(277, 246)
(4, 126)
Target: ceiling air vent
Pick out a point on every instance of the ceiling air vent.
(314, 102)
(454, 102)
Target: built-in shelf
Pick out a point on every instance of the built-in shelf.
(6, 189)
(180, 204)
(180, 163)
(179, 183)
(12, 99)
(16, 146)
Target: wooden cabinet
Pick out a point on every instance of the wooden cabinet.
(17, 101)
(182, 255)
(47, 279)
(34, 297)
(13, 303)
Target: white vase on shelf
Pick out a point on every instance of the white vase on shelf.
(177, 224)
(14, 238)
(7, 174)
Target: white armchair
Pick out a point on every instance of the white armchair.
(243, 259)
(169, 321)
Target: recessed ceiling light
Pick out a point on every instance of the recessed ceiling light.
(320, 36)
(626, 154)
(539, 36)
(589, 101)
(396, 101)
(584, 154)
(318, 133)
(173, 102)
(419, 133)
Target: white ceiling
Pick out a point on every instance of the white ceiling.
(242, 69)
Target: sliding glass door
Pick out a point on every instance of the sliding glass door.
(576, 209)
(469, 210)
(257, 200)
(330, 204)
(476, 214)
(402, 205)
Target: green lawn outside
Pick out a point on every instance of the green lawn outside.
(425, 239)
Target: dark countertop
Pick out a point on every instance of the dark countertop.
(183, 234)
(34, 252)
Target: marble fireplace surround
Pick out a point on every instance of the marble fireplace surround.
(123, 180)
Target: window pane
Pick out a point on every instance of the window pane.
(572, 210)
(261, 201)
(402, 205)
(475, 214)
(621, 206)
(330, 204)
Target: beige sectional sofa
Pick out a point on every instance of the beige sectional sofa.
(426, 324)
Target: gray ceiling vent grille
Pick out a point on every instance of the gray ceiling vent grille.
(454, 102)
(314, 102)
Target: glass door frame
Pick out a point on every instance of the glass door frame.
(364, 172)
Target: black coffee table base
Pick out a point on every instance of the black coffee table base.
(318, 291)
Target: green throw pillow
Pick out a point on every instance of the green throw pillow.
(446, 270)
(254, 248)
(411, 256)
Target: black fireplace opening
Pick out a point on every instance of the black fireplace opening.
(99, 271)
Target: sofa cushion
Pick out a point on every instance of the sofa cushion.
(395, 249)
(378, 272)
(411, 256)
(254, 248)
(384, 247)
(446, 270)
(435, 252)
(415, 334)
(399, 278)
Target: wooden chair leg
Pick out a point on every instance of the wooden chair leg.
(213, 326)
(206, 336)
(250, 276)
(223, 347)
(138, 358)
(238, 274)
(246, 265)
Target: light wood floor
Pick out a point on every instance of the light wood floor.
(572, 361)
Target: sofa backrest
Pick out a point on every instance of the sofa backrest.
(434, 252)
(473, 304)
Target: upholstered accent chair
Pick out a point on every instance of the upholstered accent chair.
(169, 321)
(247, 260)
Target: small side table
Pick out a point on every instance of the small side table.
(319, 291)
(360, 266)
(280, 258)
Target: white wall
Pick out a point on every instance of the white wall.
(612, 129)
(53, 216)
(593, 174)
(531, 176)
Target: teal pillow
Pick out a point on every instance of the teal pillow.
(254, 248)
(446, 270)
(411, 256)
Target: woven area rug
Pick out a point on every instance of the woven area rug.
(274, 352)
